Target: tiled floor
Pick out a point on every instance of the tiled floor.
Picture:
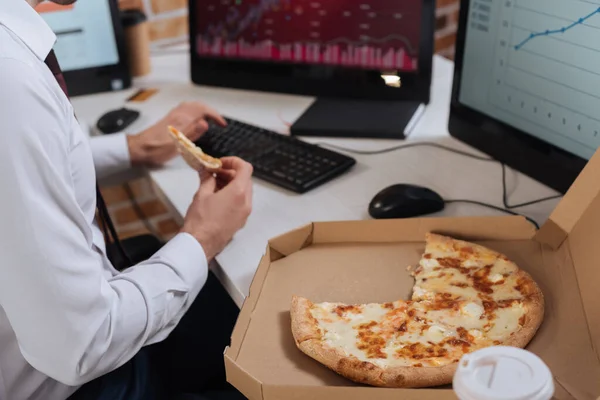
(127, 219)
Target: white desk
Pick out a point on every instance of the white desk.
(275, 210)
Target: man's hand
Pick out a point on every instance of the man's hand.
(221, 206)
(154, 146)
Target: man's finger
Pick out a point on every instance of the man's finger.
(199, 128)
(221, 183)
(208, 183)
(189, 129)
(214, 115)
(242, 168)
(226, 175)
(249, 194)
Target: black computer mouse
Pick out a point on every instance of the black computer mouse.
(117, 120)
(405, 201)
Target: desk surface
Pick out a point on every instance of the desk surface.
(276, 211)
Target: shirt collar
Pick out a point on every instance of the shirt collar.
(20, 18)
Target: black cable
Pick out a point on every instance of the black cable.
(527, 203)
(108, 226)
(479, 203)
(507, 207)
(406, 146)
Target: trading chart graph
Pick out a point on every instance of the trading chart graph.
(378, 34)
(547, 67)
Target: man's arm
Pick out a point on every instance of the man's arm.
(111, 154)
(153, 146)
(73, 320)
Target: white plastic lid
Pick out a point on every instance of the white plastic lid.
(503, 373)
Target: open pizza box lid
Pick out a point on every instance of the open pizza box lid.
(366, 261)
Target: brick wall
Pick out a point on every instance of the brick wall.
(168, 21)
(446, 23)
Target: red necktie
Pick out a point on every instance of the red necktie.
(54, 67)
(103, 214)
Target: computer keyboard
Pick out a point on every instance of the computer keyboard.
(282, 160)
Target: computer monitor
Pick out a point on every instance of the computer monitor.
(526, 84)
(89, 46)
(368, 62)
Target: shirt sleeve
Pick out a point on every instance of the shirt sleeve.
(111, 154)
(74, 321)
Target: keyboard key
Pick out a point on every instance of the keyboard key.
(280, 174)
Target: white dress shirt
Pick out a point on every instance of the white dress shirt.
(66, 315)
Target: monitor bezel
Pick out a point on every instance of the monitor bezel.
(541, 160)
(101, 79)
(311, 80)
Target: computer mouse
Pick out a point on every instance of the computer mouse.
(405, 201)
(117, 120)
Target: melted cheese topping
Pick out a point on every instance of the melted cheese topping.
(419, 293)
(472, 310)
(468, 278)
(464, 299)
(407, 333)
(429, 263)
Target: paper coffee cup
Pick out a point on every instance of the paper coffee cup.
(502, 373)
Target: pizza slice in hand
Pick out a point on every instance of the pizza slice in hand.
(465, 297)
(192, 154)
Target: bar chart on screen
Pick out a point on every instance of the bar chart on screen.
(547, 67)
(376, 34)
(340, 52)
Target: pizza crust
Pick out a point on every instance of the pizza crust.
(419, 377)
(370, 374)
(534, 315)
(304, 325)
(347, 366)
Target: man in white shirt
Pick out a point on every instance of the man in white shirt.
(70, 323)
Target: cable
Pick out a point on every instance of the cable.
(479, 203)
(283, 121)
(527, 203)
(139, 212)
(507, 207)
(108, 228)
(405, 146)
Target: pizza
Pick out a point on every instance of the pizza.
(192, 154)
(465, 297)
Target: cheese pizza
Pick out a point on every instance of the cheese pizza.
(465, 297)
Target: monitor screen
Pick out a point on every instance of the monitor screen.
(367, 34)
(85, 34)
(533, 64)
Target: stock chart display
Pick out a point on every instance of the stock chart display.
(374, 34)
(534, 65)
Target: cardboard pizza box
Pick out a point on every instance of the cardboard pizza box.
(365, 261)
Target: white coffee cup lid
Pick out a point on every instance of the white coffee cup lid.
(502, 373)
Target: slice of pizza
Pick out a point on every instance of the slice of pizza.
(417, 343)
(466, 270)
(488, 285)
(192, 154)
